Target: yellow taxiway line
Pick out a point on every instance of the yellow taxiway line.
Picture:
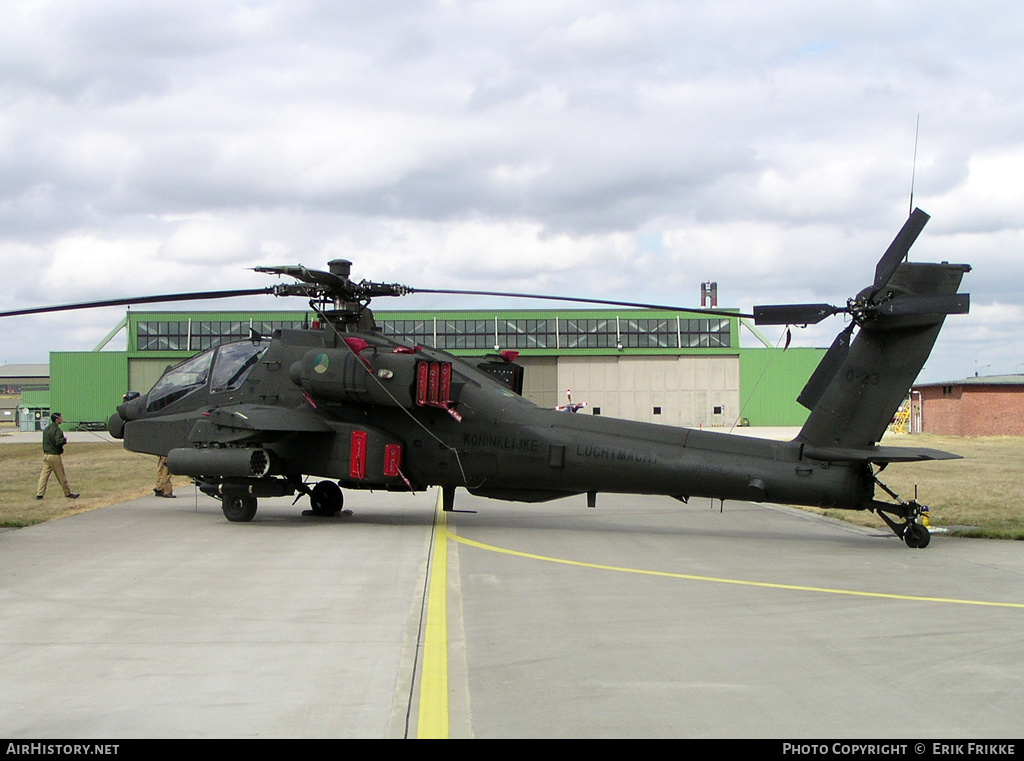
(738, 582)
(433, 697)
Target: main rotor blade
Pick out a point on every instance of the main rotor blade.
(899, 247)
(306, 275)
(793, 314)
(577, 299)
(165, 298)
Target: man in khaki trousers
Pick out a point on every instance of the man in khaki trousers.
(164, 486)
(53, 447)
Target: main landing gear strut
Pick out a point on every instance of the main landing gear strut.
(912, 532)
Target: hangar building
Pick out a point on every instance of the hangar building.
(668, 367)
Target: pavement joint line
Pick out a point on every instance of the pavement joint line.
(736, 582)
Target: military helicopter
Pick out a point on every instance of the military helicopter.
(344, 403)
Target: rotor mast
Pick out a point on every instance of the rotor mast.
(348, 312)
(333, 294)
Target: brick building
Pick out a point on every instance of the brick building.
(987, 406)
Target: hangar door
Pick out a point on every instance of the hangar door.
(683, 390)
(144, 373)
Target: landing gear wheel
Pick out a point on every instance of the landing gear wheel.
(916, 536)
(326, 499)
(239, 509)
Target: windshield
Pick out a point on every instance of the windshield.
(234, 362)
(180, 381)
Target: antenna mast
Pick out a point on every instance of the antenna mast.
(913, 170)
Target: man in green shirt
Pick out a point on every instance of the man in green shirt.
(53, 447)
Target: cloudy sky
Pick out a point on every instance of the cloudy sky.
(603, 149)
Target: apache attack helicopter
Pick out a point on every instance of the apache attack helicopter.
(343, 402)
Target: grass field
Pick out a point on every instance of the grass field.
(979, 495)
(103, 472)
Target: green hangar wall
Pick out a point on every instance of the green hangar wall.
(770, 382)
(87, 386)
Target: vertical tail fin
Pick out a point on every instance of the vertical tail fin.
(859, 385)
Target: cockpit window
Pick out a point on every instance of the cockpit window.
(234, 362)
(180, 381)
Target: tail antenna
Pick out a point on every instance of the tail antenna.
(913, 169)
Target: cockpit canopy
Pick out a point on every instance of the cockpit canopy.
(231, 364)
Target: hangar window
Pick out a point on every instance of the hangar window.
(200, 335)
(668, 332)
(419, 332)
(653, 334)
(162, 336)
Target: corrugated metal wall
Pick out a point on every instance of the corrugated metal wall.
(701, 390)
(771, 380)
(87, 386)
(540, 381)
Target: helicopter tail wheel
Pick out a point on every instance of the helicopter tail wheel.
(916, 536)
(326, 499)
(239, 508)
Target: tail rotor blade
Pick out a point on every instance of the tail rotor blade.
(933, 304)
(793, 314)
(899, 247)
(826, 369)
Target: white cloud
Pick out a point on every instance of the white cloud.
(169, 146)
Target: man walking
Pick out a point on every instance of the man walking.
(53, 447)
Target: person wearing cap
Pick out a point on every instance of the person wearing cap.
(53, 447)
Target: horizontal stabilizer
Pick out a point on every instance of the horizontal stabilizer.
(877, 455)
